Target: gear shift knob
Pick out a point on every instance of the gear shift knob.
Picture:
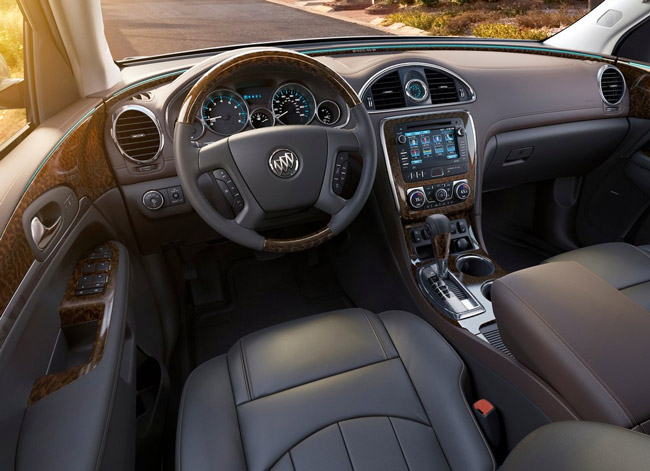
(437, 228)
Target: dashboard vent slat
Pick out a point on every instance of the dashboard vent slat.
(387, 92)
(137, 134)
(442, 87)
(612, 85)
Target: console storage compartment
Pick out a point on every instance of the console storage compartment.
(582, 336)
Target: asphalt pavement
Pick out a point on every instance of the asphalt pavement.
(146, 27)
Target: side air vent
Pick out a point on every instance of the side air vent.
(137, 134)
(442, 87)
(387, 92)
(612, 85)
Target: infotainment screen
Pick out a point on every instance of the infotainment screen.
(429, 150)
(431, 145)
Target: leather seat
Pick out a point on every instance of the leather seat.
(624, 266)
(337, 391)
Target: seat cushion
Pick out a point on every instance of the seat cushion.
(624, 266)
(346, 390)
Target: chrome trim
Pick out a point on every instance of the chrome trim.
(117, 113)
(599, 77)
(425, 86)
(300, 85)
(238, 96)
(337, 107)
(471, 144)
(372, 79)
(422, 279)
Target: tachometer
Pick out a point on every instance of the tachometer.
(225, 112)
(293, 104)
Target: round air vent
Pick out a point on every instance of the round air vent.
(137, 134)
(612, 85)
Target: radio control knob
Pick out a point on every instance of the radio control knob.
(460, 132)
(417, 199)
(462, 190)
(441, 195)
(401, 139)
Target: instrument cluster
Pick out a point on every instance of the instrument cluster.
(225, 111)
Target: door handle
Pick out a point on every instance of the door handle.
(42, 234)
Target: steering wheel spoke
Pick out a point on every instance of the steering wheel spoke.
(215, 156)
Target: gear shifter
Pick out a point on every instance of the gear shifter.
(437, 228)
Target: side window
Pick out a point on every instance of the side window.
(12, 95)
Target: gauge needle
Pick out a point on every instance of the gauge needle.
(214, 118)
(281, 115)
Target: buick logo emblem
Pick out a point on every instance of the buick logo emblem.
(284, 163)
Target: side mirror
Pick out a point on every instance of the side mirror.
(12, 93)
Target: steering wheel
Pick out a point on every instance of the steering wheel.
(280, 168)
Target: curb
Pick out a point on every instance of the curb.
(319, 8)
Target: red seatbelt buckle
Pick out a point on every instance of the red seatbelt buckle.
(489, 420)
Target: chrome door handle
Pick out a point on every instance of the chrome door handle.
(42, 234)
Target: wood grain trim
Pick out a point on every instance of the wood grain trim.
(299, 243)
(638, 85)
(233, 65)
(80, 309)
(402, 187)
(79, 162)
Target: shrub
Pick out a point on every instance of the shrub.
(11, 36)
(537, 19)
(426, 21)
(461, 25)
(508, 31)
(428, 3)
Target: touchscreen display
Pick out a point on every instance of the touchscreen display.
(431, 145)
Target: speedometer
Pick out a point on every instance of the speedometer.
(224, 112)
(293, 104)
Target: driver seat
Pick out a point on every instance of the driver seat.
(345, 390)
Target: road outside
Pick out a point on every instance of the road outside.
(141, 28)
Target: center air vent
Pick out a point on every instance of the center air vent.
(612, 85)
(387, 92)
(442, 87)
(137, 134)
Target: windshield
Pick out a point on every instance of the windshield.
(156, 27)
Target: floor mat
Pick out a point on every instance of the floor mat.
(265, 293)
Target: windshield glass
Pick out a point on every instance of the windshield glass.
(156, 27)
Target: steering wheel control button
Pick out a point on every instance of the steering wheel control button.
(284, 163)
(462, 190)
(417, 199)
(229, 190)
(153, 200)
(340, 174)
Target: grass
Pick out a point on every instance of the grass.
(505, 19)
(11, 48)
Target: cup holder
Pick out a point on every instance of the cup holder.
(486, 290)
(475, 265)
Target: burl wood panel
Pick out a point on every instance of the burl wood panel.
(638, 83)
(78, 162)
(236, 65)
(79, 309)
(402, 187)
(300, 243)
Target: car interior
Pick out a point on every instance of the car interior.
(380, 253)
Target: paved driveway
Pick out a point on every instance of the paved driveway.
(145, 27)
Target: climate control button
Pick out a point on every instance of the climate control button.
(462, 190)
(441, 195)
(417, 199)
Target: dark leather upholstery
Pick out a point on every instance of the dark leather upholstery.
(338, 391)
(580, 334)
(571, 446)
(624, 266)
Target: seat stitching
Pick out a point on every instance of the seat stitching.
(245, 370)
(234, 401)
(462, 394)
(345, 445)
(374, 331)
(257, 398)
(578, 357)
(392, 426)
